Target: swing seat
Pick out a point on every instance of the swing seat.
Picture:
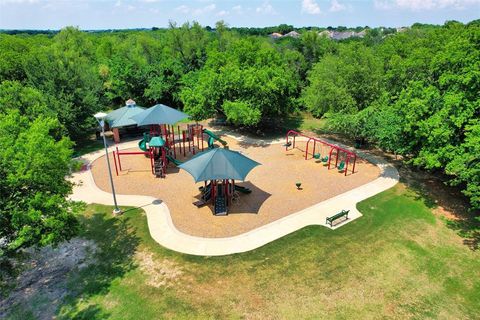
(341, 167)
(325, 159)
(288, 144)
(316, 156)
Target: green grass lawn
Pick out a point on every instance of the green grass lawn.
(304, 121)
(397, 261)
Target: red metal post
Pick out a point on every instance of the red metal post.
(119, 162)
(151, 161)
(346, 164)
(330, 157)
(306, 148)
(183, 141)
(115, 162)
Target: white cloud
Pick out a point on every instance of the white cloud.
(237, 9)
(17, 1)
(206, 9)
(196, 12)
(183, 9)
(419, 5)
(222, 13)
(120, 5)
(310, 7)
(336, 6)
(266, 8)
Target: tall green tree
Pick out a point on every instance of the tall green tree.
(65, 73)
(248, 82)
(34, 160)
(345, 82)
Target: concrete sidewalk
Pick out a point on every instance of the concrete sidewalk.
(166, 234)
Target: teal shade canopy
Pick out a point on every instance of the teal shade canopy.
(159, 114)
(122, 116)
(219, 164)
(156, 142)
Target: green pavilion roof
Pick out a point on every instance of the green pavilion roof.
(122, 116)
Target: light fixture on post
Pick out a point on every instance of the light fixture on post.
(100, 116)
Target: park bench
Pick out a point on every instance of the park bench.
(337, 216)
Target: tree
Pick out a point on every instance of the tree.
(34, 160)
(65, 74)
(28, 101)
(248, 82)
(346, 82)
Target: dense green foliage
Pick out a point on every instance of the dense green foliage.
(415, 94)
(34, 160)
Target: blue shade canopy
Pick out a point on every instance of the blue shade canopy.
(219, 164)
(122, 116)
(159, 114)
(156, 142)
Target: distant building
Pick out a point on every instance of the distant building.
(326, 34)
(342, 35)
(276, 35)
(293, 34)
(402, 29)
(361, 34)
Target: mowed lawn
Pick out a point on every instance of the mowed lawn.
(397, 261)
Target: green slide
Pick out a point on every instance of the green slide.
(173, 160)
(214, 136)
(142, 144)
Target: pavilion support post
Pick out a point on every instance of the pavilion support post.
(116, 135)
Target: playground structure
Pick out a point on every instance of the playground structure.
(345, 156)
(161, 144)
(221, 193)
(272, 185)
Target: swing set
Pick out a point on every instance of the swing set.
(345, 156)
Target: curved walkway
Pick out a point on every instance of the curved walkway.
(166, 234)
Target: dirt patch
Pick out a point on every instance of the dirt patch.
(44, 279)
(162, 273)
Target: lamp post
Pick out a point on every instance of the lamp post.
(101, 121)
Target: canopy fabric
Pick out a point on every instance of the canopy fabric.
(122, 116)
(219, 164)
(156, 142)
(159, 114)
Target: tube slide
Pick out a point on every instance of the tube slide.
(142, 144)
(214, 136)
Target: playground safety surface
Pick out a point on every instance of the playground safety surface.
(274, 194)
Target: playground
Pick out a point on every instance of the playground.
(274, 193)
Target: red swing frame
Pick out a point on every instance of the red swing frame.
(351, 157)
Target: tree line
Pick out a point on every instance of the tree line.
(414, 93)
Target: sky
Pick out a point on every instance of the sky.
(119, 14)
